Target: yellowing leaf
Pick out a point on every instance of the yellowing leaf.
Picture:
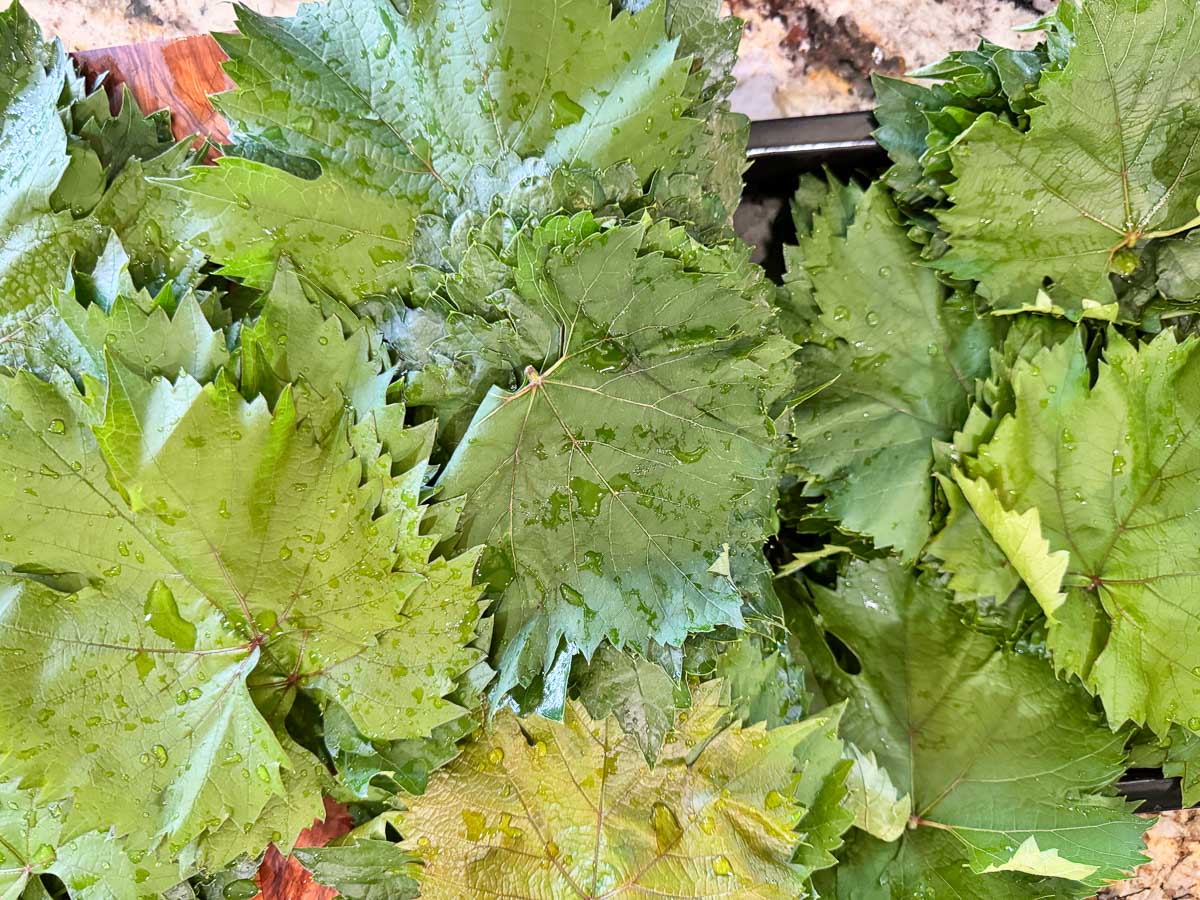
(536, 808)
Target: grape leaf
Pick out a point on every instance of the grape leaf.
(878, 808)
(365, 869)
(625, 489)
(118, 137)
(918, 124)
(639, 694)
(1107, 161)
(1008, 769)
(244, 214)
(36, 242)
(143, 338)
(1104, 468)
(1183, 755)
(539, 808)
(891, 369)
(208, 594)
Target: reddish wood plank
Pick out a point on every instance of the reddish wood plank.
(286, 879)
(179, 74)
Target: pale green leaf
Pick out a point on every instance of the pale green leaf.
(1019, 537)
(93, 866)
(1107, 468)
(878, 808)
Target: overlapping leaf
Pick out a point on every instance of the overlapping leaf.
(920, 123)
(355, 121)
(238, 554)
(538, 808)
(34, 841)
(36, 240)
(625, 488)
(1104, 470)
(1008, 770)
(1108, 161)
(892, 362)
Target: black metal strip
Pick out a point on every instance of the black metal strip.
(812, 136)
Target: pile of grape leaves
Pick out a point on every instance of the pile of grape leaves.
(439, 451)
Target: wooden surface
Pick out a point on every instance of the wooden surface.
(178, 74)
(286, 879)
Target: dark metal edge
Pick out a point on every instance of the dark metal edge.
(811, 136)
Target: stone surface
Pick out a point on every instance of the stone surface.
(86, 24)
(805, 57)
(1174, 870)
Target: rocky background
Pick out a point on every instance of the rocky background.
(799, 57)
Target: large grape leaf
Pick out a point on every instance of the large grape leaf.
(360, 119)
(1105, 470)
(536, 808)
(235, 554)
(1008, 769)
(893, 364)
(1108, 161)
(626, 488)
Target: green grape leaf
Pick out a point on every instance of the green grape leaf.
(978, 567)
(245, 214)
(891, 371)
(1104, 470)
(1183, 762)
(625, 488)
(1106, 162)
(36, 242)
(150, 341)
(1019, 538)
(237, 556)
(304, 338)
(367, 869)
(763, 680)
(279, 822)
(1009, 771)
(639, 694)
(538, 808)
(118, 137)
